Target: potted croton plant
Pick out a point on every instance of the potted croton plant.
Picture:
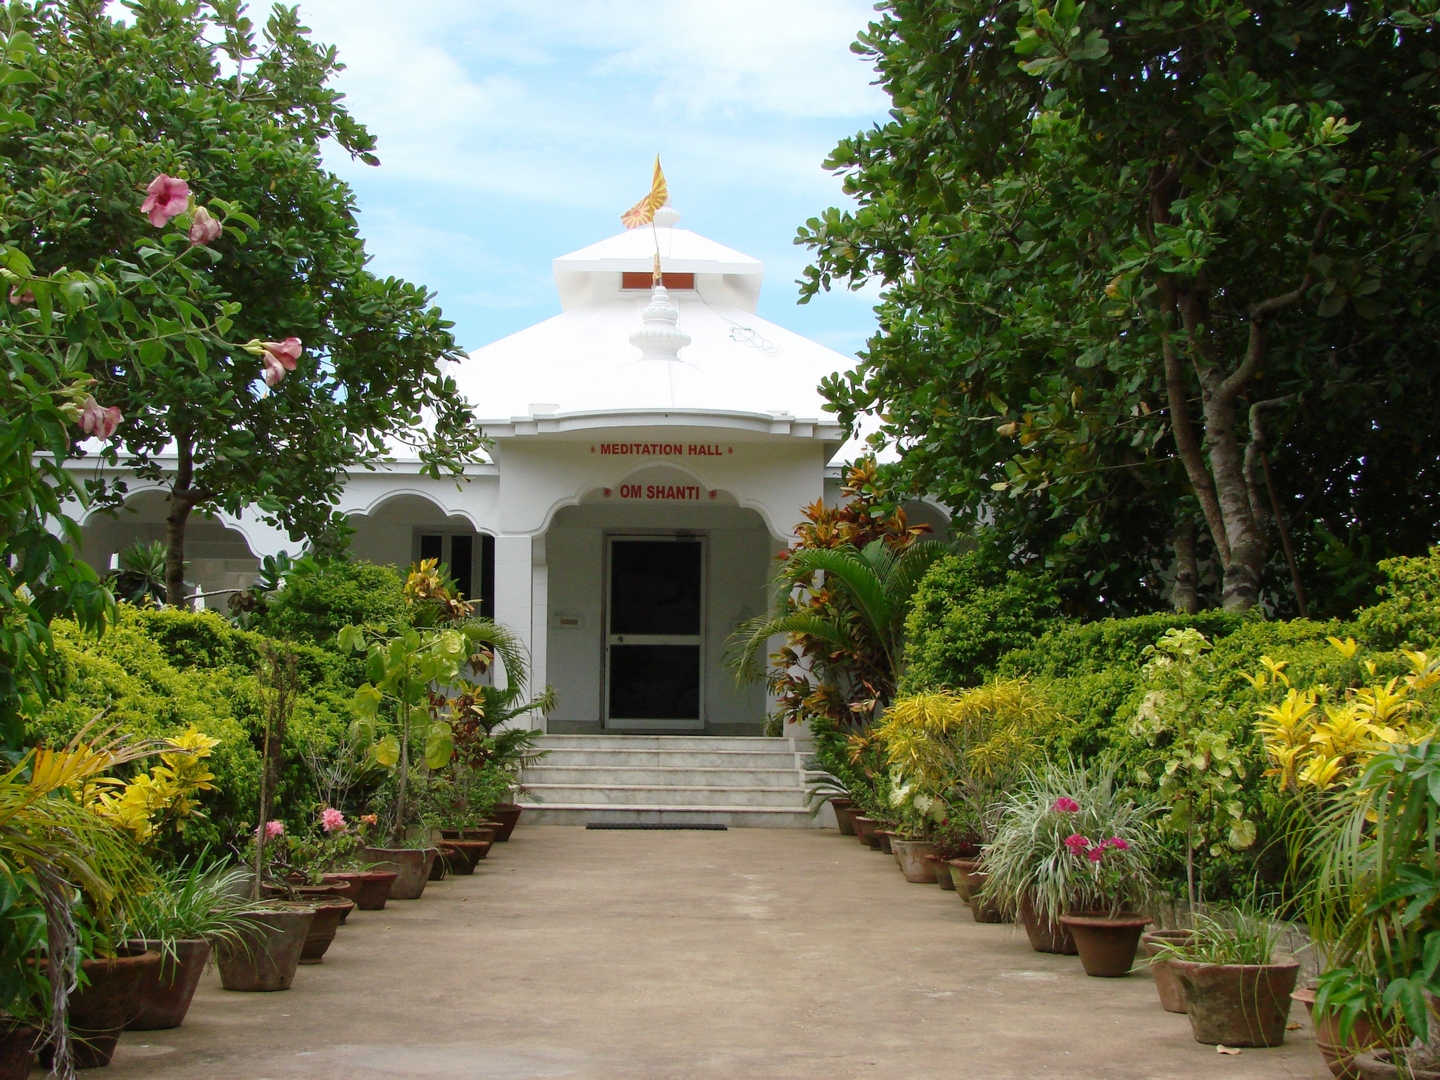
(964, 748)
(407, 705)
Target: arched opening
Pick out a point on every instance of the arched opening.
(645, 581)
(218, 557)
(402, 529)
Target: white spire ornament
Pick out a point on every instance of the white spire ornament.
(659, 336)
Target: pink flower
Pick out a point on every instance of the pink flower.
(1077, 843)
(20, 297)
(332, 820)
(98, 421)
(204, 229)
(164, 198)
(1065, 805)
(1117, 843)
(279, 357)
(274, 829)
(1095, 854)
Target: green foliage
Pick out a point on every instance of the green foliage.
(155, 673)
(320, 596)
(1408, 612)
(967, 612)
(244, 116)
(1137, 261)
(840, 597)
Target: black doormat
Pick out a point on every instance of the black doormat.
(648, 825)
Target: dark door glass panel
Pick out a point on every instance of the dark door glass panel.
(655, 587)
(654, 682)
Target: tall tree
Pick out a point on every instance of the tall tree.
(1136, 252)
(192, 91)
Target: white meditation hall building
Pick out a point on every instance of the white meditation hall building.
(652, 448)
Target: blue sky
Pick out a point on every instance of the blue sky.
(513, 131)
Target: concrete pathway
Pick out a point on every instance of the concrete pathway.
(751, 953)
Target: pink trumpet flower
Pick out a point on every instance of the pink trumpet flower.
(164, 198)
(274, 829)
(97, 420)
(279, 357)
(204, 229)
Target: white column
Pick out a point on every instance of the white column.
(513, 583)
(539, 624)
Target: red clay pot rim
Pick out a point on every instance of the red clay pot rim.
(1096, 918)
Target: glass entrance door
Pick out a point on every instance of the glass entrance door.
(653, 634)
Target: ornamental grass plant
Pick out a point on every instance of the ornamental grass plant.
(1045, 832)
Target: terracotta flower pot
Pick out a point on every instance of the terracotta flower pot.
(941, 870)
(1238, 1004)
(1167, 983)
(371, 888)
(163, 1000)
(845, 816)
(440, 864)
(329, 914)
(1380, 1065)
(479, 832)
(1339, 1054)
(1106, 943)
(910, 855)
(865, 831)
(411, 866)
(98, 1012)
(969, 879)
(266, 957)
(17, 1049)
(507, 814)
(466, 854)
(1045, 935)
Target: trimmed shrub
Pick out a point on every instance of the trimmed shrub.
(1408, 613)
(966, 613)
(320, 597)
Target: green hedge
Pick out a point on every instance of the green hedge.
(155, 673)
(966, 626)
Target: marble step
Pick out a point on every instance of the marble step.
(678, 742)
(735, 817)
(662, 795)
(667, 775)
(624, 758)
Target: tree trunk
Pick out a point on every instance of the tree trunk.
(182, 500)
(1185, 594)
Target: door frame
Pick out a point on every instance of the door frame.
(660, 725)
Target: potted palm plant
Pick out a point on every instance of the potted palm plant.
(1375, 909)
(407, 705)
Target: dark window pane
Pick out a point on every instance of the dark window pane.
(655, 587)
(654, 682)
(461, 569)
(430, 547)
(487, 576)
